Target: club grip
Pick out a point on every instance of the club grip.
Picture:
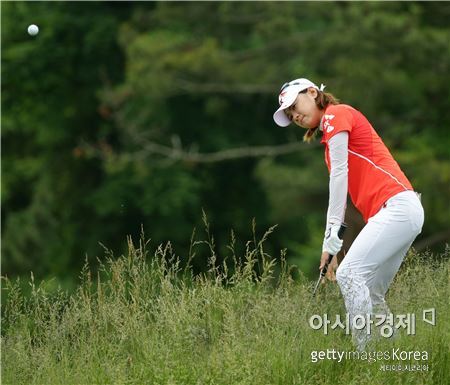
(341, 232)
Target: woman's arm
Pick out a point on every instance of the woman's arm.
(338, 150)
(338, 186)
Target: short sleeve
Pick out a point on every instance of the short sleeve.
(336, 119)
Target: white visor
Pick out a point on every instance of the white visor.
(287, 97)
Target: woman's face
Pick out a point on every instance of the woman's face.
(304, 111)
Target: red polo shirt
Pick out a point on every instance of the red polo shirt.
(373, 174)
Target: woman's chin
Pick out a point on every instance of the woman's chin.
(300, 124)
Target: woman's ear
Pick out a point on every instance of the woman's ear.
(313, 92)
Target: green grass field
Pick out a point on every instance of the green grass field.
(142, 319)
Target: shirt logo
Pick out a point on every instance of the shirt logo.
(326, 124)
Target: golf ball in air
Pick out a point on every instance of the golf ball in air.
(33, 30)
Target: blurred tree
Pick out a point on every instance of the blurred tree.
(49, 103)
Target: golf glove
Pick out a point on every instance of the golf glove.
(332, 244)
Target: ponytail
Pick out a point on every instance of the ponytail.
(310, 134)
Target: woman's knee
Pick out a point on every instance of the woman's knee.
(342, 274)
(348, 278)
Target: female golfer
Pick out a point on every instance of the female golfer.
(359, 163)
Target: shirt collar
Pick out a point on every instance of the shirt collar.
(323, 118)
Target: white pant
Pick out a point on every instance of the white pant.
(376, 254)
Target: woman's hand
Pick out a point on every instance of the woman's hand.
(332, 243)
(330, 275)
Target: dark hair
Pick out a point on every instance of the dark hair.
(323, 100)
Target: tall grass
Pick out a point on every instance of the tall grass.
(142, 318)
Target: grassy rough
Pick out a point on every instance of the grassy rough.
(146, 320)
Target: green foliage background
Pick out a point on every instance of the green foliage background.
(88, 103)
